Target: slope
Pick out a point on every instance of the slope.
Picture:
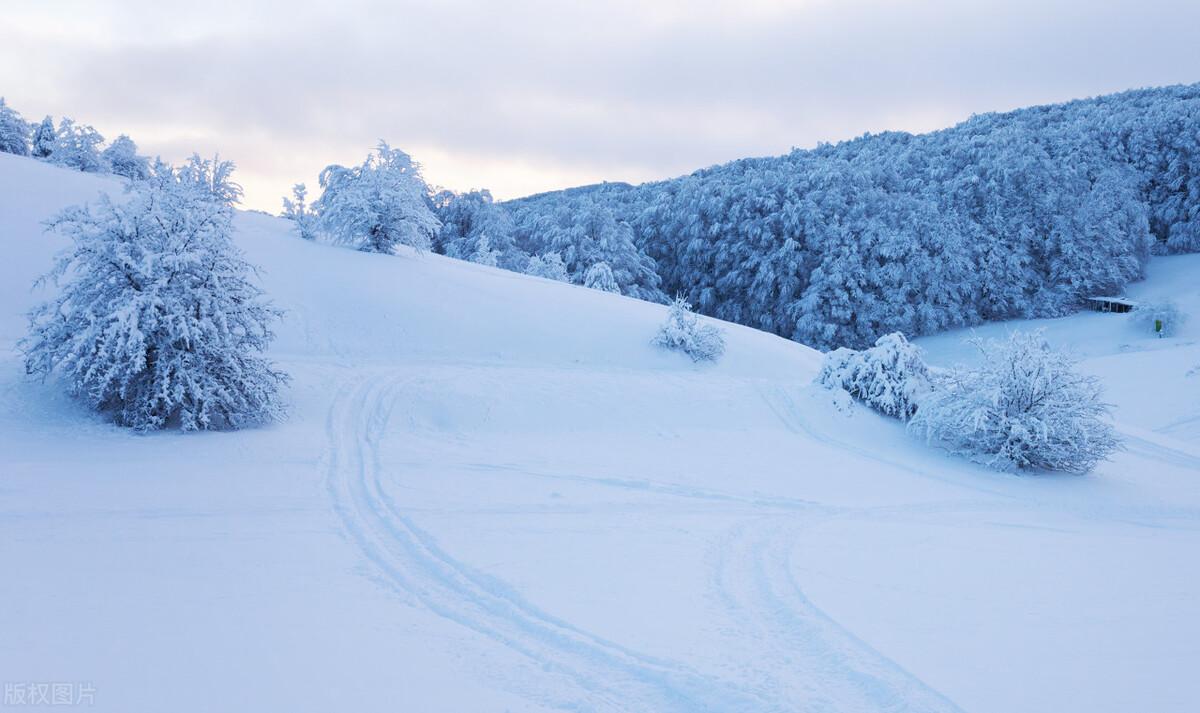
(493, 494)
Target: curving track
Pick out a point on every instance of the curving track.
(801, 659)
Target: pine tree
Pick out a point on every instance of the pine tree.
(158, 322)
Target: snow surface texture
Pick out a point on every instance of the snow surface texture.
(494, 493)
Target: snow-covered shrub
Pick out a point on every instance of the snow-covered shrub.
(14, 131)
(158, 322)
(600, 277)
(299, 213)
(1148, 316)
(890, 377)
(77, 146)
(683, 331)
(44, 138)
(379, 205)
(1025, 407)
(121, 157)
(549, 266)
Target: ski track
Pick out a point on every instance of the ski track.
(608, 676)
(800, 659)
(1148, 448)
(784, 407)
(801, 652)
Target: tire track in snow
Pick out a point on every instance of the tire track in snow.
(803, 654)
(610, 677)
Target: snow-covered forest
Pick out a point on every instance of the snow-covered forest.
(1008, 215)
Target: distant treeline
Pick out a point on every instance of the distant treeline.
(70, 145)
(1008, 215)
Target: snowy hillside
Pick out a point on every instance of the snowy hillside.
(493, 493)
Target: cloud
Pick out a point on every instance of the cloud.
(528, 95)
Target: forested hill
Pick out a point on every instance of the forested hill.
(1007, 215)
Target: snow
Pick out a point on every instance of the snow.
(493, 492)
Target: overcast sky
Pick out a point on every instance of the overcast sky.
(525, 96)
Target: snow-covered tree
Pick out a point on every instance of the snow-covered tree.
(159, 322)
(549, 266)
(121, 157)
(379, 205)
(471, 219)
(1025, 407)
(600, 277)
(1161, 319)
(584, 231)
(77, 146)
(14, 131)
(44, 138)
(214, 177)
(296, 210)
(484, 254)
(683, 331)
(890, 377)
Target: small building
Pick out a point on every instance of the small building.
(1111, 304)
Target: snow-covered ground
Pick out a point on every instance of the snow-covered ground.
(493, 493)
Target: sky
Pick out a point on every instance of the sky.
(531, 95)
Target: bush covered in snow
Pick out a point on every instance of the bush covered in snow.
(14, 131)
(1146, 317)
(683, 331)
(890, 377)
(378, 205)
(1025, 407)
(158, 322)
